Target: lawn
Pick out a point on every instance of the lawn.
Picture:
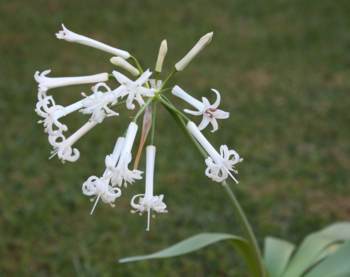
(283, 69)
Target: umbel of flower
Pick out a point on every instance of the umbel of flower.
(45, 83)
(219, 166)
(148, 202)
(198, 47)
(74, 37)
(121, 174)
(210, 112)
(134, 90)
(99, 187)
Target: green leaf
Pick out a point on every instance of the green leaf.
(276, 255)
(314, 246)
(335, 265)
(189, 245)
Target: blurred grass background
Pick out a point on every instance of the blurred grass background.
(283, 69)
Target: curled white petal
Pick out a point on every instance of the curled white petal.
(63, 148)
(219, 166)
(48, 110)
(70, 36)
(100, 188)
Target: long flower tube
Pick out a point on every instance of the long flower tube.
(209, 112)
(99, 187)
(149, 202)
(70, 36)
(219, 166)
(121, 174)
(45, 83)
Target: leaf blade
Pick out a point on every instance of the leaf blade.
(334, 265)
(314, 245)
(277, 253)
(187, 246)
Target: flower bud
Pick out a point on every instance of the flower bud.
(163, 49)
(199, 46)
(118, 61)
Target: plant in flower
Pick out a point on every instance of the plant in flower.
(141, 90)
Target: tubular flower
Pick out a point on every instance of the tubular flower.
(63, 146)
(148, 202)
(134, 90)
(74, 37)
(219, 166)
(45, 83)
(99, 187)
(210, 112)
(121, 174)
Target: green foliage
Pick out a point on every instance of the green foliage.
(277, 253)
(191, 244)
(321, 254)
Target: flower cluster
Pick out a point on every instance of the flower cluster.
(138, 89)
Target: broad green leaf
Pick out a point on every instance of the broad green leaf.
(335, 265)
(314, 246)
(189, 245)
(276, 255)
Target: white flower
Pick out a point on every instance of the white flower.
(148, 202)
(48, 110)
(118, 61)
(74, 37)
(210, 112)
(97, 103)
(163, 49)
(219, 166)
(121, 174)
(63, 146)
(134, 89)
(45, 83)
(199, 46)
(100, 187)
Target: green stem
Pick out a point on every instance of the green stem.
(247, 229)
(138, 65)
(168, 78)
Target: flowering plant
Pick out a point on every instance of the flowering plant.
(145, 89)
